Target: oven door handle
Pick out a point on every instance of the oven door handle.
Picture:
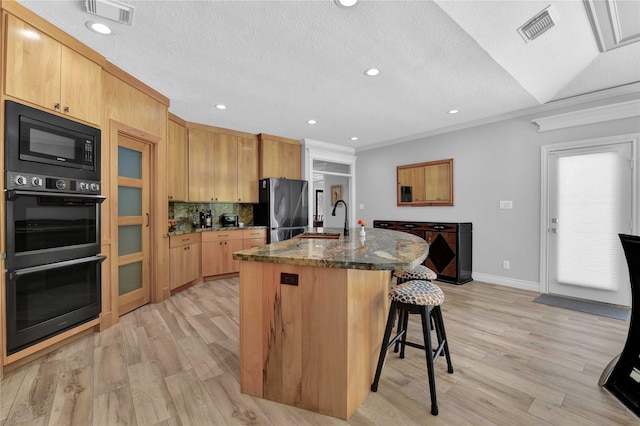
(41, 268)
(90, 198)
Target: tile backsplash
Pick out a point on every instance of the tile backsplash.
(183, 213)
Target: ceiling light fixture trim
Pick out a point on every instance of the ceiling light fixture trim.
(346, 3)
(98, 27)
(111, 9)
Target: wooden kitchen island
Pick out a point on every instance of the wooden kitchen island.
(312, 316)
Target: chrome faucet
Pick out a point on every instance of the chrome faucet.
(346, 216)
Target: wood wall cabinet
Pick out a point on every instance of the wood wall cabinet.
(177, 138)
(201, 161)
(184, 258)
(43, 71)
(449, 246)
(279, 157)
(425, 184)
(248, 160)
(217, 252)
(223, 165)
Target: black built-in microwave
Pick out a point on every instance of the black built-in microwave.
(39, 142)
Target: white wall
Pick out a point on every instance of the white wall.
(492, 162)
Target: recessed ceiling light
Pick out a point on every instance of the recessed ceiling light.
(346, 3)
(371, 72)
(99, 28)
(220, 106)
(354, 138)
(453, 111)
(311, 121)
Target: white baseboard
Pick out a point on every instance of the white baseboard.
(507, 282)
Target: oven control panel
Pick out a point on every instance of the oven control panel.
(25, 181)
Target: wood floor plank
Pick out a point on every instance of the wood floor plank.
(177, 363)
(73, 401)
(9, 389)
(33, 401)
(192, 401)
(235, 407)
(201, 358)
(110, 369)
(151, 399)
(114, 408)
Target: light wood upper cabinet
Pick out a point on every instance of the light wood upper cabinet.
(201, 162)
(225, 169)
(41, 70)
(279, 157)
(247, 170)
(177, 135)
(229, 159)
(426, 184)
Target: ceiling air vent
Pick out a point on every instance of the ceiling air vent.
(537, 25)
(111, 9)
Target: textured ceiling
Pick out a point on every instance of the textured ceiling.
(277, 64)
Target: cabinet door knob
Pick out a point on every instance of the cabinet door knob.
(66, 109)
(56, 106)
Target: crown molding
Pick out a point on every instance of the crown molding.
(589, 116)
(632, 88)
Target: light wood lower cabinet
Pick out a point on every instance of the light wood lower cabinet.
(217, 252)
(253, 238)
(184, 258)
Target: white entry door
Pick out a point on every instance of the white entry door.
(589, 203)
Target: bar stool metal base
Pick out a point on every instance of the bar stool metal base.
(403, 310)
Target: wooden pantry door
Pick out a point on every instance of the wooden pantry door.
(134, 219)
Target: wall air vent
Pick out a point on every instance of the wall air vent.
(539, 24)
(111, 9)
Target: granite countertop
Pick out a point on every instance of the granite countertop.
(215, 228)
(380, 249)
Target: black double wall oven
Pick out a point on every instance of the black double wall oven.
(52, 199)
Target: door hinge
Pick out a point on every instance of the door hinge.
(3, 256)
(632, 162)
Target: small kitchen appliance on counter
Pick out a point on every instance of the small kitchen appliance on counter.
(229, 220)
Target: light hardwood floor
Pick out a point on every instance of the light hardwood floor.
(176, 363)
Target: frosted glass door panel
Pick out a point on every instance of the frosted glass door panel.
(129, 278)
(129, 163)
(129, 239)
(129, 201)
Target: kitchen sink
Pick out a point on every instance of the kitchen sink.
(320, 235)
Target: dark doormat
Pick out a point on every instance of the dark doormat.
(596, 308)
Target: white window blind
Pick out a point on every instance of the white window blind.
(589, 201)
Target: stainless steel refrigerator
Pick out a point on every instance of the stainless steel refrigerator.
(283, 208)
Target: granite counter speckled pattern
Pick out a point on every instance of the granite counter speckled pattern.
(380, 249)
(214, 229)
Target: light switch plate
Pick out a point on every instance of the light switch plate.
(506, 204)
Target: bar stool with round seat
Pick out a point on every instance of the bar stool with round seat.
(425, 298)
(420, 272)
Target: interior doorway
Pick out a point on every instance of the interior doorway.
(329, 167)
(588, 199)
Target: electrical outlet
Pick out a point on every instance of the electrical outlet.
(506, 204)
(361, 206)
(506, 264)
